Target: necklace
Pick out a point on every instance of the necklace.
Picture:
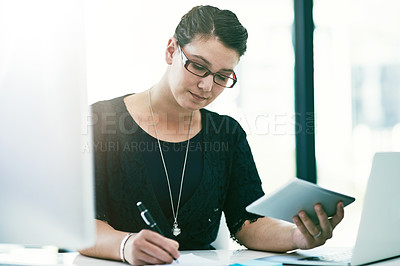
(175, 228)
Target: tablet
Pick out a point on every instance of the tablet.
(295, 196)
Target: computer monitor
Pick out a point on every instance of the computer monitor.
(46, 176)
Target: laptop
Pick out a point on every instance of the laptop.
(378, 235)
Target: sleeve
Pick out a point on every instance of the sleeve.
(244, 187)
(100, 165)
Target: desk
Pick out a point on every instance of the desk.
(224, 257)
(50, 257)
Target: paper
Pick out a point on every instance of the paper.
(191, 259)
(257, 262)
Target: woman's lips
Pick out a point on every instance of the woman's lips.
(198, 97)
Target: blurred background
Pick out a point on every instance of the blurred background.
(356, 81)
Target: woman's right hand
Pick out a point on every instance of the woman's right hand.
(149, 247)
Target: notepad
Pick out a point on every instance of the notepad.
(257, 262)
(194, 260)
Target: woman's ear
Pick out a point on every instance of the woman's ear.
(172, 47)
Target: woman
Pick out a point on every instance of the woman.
(186, 164)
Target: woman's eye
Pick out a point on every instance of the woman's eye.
(221, 78)
(199, 67)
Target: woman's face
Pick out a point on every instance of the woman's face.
(190, 91)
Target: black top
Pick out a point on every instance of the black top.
(229, 180)
(174, 156)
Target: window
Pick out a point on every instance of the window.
(357, 93)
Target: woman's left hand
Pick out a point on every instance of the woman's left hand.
(307, 235)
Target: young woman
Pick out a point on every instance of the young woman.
(185, 163)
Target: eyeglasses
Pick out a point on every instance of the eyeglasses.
(201, 71)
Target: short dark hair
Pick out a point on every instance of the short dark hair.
(209, 21)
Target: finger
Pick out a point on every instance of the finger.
(150, 243)
(153, 254)
(139, 254)
(311, 227)
(324, 222)
(297, 221)
(169, 245)
(143, 258)
(338, 217)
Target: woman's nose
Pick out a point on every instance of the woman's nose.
(206, 83)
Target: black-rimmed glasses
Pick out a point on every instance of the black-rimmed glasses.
(201, 71)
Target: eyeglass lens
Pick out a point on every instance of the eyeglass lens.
(201, 71)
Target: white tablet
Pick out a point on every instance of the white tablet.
(295, 196)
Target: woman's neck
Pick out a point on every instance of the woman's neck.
(171, 119)
(164, 104)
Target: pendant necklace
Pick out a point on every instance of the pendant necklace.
(175, 228)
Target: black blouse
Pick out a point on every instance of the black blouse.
(174, 156)
(229, 180)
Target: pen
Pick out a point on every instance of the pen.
(149, 220)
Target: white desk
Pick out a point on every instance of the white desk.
(224, 257)
(50, 257)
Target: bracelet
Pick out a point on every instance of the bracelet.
(122, 247)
